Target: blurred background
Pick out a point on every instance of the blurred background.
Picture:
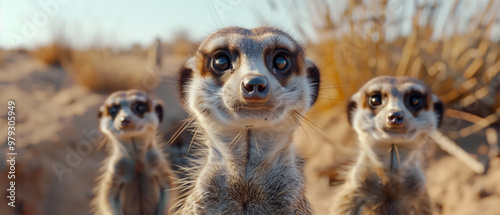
(59, 60)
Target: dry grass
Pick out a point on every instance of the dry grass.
(102, 70)
(51, 54)
(96, 68)
(107, 70)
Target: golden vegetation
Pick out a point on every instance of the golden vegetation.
(96, 68)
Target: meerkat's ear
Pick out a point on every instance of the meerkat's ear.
(438, 109)
(313, 76)
(159, 111)
(185, 76)
(351, 106)
(100, 112)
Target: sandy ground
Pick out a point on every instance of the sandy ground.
(59, 155)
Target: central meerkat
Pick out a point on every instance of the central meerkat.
(244, 87)
(393, 117)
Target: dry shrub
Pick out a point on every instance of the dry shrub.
(95, 68)
(104, 71)
(50, 54)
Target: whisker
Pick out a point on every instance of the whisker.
(237, 138)
(257, 145)
(313, 126)
(180, 130)
(303, 129)
(195, 131)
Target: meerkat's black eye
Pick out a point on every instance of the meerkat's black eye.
(140, 107)
(281, 62)
(113, 110)
(416, 100)
(375, 100)
(221, 62)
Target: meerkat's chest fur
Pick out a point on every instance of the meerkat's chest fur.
(138, 169)
(374, 185)
(139, 166)
(140, 176)
(248, 180)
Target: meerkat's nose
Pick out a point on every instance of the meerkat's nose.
(254, 88)
(126, 120)
(395, 118)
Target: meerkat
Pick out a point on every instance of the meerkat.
(137, 178)
(245, 88)
(393, 117)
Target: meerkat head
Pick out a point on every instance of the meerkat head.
(394, 110)
(249, 77)
(132, 113)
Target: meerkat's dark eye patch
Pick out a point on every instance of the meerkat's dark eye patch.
(415, 101)
(221, 61)
(140, 108)
(113, 110)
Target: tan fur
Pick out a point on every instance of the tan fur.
(386, 178)
(247, 164)
(136, 177)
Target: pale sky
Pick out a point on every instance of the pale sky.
(120, 23)
(30, 23)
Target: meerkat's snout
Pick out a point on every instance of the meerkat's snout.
(254, 89)
(126, 122)
(396, 118)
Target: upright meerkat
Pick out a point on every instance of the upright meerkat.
(137, 178)
(244, 87)
(393, 117)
